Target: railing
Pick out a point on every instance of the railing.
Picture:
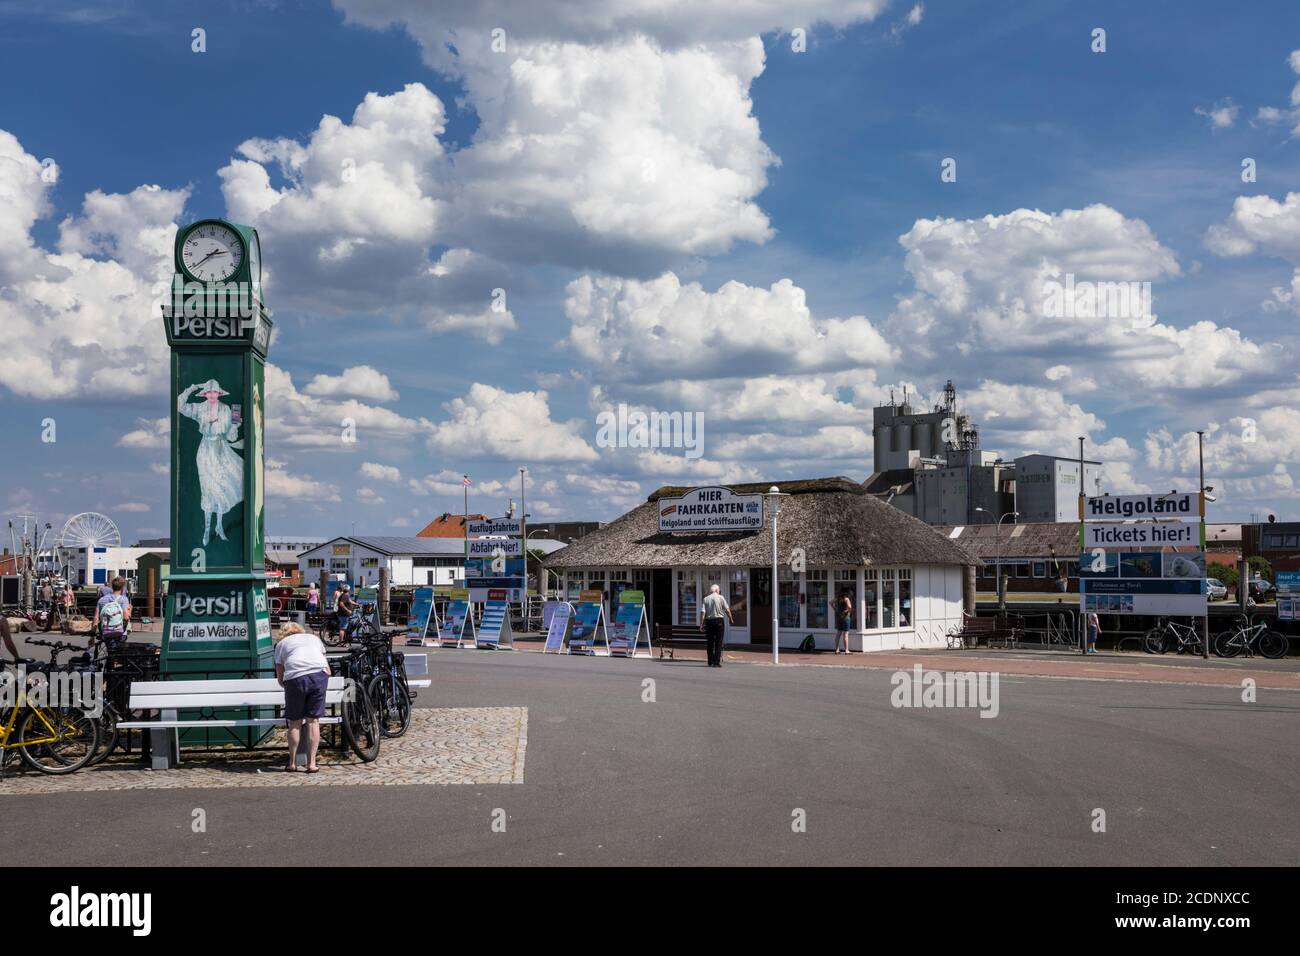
(1058, 630)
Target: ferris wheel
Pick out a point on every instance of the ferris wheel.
(90, 529)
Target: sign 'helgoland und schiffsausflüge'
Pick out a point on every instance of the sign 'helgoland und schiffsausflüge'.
(711, 509)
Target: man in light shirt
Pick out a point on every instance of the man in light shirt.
(304, 673)
(714, 615)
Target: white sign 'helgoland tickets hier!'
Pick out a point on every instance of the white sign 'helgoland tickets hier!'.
(1132, 536)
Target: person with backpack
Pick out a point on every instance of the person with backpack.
(112, 613)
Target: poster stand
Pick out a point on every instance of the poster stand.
(422, 618)
(557, 615)
(459, 619)
(494, 629)
(588, 621)
(625, 633)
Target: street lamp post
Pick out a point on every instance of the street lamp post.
(997, 539)
(775, 494)
(1205, 621)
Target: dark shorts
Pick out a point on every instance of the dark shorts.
(305, 696)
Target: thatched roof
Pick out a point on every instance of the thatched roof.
(833, 520)
(1034, 539)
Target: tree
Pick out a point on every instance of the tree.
(1226, 574)
(1260, 568)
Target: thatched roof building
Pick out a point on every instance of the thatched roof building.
(1037, 539)
(834, 520)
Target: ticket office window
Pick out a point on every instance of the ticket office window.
(688, 598)
(846, 582)
(711, 577)
(619, 581)
(738, 596)
(818, 599)
(573, 585)
(888, 597)
(871, 599)
(905, 618)
(788, 599)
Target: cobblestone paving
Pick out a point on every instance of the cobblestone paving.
(474, 745)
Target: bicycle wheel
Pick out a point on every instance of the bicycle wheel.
(394, 704)
(1153, 641)
(1272, 644)
(108, 736)
(361, 726)
(332, 637)
(1227, 644)
(57, 741)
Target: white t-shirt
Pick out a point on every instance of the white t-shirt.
(301, 654)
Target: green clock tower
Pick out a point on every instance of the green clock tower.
(217, 622)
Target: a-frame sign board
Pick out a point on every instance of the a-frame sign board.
(588, 626)
(557, 614)
(458, 626)
(494, 629)
(628, 626)
(422, 623)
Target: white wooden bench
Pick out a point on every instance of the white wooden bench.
(415, 664)
(168, 697)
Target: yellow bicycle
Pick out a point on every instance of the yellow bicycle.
(53, 740)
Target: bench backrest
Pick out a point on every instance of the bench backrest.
(247, 692)
(678, 631)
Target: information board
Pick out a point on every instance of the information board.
(421, 619)
(494, 628)
(458, 625)
(557, 626)
(1288, 594)
(628, 625)
(588, 627)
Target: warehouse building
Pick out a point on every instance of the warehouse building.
(408, 560)
(909, 583)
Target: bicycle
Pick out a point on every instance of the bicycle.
(1244, 638)
(389, 689)
(51, 740)
(360, 719)
(1166, 635)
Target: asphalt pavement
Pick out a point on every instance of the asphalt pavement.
(723, 765)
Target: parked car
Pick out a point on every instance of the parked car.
(1215, 589)
(1262, 590)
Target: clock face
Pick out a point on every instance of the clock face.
(212, 253)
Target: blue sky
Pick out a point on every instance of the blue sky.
(526, 170)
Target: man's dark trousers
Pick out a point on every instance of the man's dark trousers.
(713, 630)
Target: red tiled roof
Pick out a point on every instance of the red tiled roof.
(447, 526)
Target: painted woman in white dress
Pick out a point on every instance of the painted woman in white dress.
(221, 471)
